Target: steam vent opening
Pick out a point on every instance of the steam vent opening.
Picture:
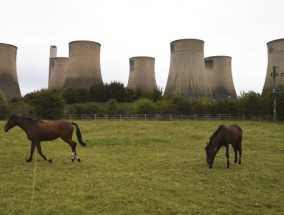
(84, 69)
(9, 84)
(275, 51)
(142, 73)
(219, 76)
(187, 75)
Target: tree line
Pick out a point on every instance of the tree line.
(114, 98)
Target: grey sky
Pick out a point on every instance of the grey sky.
(128, 28)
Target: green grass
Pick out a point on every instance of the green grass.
(143, 168)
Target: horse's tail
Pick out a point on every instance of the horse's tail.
(79, 135)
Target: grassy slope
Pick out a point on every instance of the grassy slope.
(143, 168)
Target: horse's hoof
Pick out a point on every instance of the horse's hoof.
(29, 160)
(72, 160)
(50, 160)
(78, 160)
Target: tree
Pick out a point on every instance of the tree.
(3, 106)
(48, 104)
(116, 91)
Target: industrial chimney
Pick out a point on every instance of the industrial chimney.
(187, 75)
(219, 76)
(9, 84)
(275, 50)
(142, 73)
(84, 68)
(58, 68)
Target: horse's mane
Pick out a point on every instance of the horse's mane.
(216, 132)
(27, 119)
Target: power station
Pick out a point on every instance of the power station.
(187, 75)
(9, 84)
(275, 51)
(142, 73)
(84, 69)
(219, 76)
(57, 72)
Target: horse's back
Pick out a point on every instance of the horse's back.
(235, 131)
(54, 129)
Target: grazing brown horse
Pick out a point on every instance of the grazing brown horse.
(224, 136)
(38, 131)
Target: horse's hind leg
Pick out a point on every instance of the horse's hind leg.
(38, 146)
(240, 152)
(227, 155)
(73, 147)
(236, 154)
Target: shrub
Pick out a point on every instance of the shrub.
(143, 106)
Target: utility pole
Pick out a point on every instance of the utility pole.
(274, 74)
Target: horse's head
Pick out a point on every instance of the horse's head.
(12, 122)
(210, 153)
(212, 146)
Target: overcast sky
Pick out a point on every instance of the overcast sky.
(128, 28)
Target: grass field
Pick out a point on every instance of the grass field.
(144, 167)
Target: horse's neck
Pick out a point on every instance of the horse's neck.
(26, 124)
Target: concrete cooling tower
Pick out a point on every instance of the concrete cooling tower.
(84, 69)
(9, 84)
(187, 75)
(275, 50)
(57, 72)
(219, 76)
(142, 73)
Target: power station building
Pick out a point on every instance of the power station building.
(84, 69)
(57, 72)
(142, 73)
(9, 84)
(219, 76)
(275, 51)
(187, 75)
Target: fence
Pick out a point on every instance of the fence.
(162, 117)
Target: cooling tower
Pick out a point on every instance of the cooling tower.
(219, 76)
(58, 68)
(275, 50)
(187, 75)
(142, 73)
(9, 84)
(84, 69)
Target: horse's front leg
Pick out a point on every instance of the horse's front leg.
(32, 152)
(227, 155)
(38, 146)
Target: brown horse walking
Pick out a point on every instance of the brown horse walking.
(38, 131)
(224, 136)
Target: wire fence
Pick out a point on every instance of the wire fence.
(161, 117)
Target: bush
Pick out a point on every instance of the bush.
(143, 106)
